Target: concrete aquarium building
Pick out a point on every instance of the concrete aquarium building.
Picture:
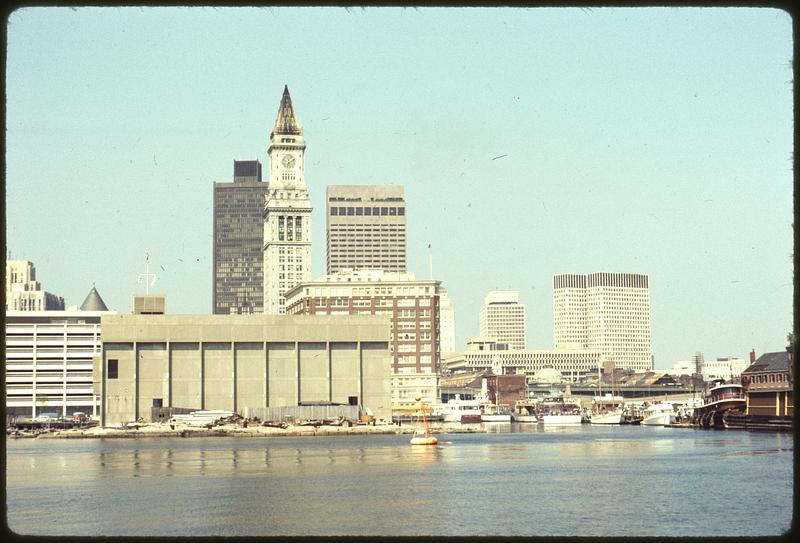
(236, 362)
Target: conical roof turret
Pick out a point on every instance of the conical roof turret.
(286, 122)
(93, 302)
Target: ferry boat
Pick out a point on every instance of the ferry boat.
(458, 410)
(560, 412)
(720, 398)
(659, 414)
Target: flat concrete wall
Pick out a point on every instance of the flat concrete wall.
(314, 374)
(250, 375)
(241, 362)
(185, 373)
(217, 376)
(282, 374)
(345, 368)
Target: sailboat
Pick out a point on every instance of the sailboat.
(493, 412)
(606, 417)
(422, 436)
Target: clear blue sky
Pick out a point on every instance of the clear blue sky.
(643, 140)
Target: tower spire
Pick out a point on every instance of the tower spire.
(286, 122)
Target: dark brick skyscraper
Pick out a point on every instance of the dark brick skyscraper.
(238, 283)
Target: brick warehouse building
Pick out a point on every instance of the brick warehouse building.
(414, 307)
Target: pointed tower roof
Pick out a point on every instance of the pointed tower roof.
(286, 123)
(93, 302)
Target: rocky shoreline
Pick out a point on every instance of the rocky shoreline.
(149, 430)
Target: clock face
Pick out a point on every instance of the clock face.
(288, 161)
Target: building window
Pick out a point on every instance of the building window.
(334, 211)
(113, 369)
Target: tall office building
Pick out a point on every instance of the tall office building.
(366, 227)
(24, 292)
(287, 212)
(605, 312)
(239, 240)
(503, 318)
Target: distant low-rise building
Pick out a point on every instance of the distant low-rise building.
(723, 368)
(486, 353)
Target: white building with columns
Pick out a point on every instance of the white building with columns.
(287, 211)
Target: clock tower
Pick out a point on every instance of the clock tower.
(287, 211)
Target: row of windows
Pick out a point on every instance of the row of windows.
(368, 211)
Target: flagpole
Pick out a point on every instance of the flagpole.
(430, 262)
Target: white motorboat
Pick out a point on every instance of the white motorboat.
(614, 417)
(458, 410)
(561, 420)
(495, 413)
(659, 414)
(564, 412)
(524, 417)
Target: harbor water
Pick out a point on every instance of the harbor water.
(515, 480)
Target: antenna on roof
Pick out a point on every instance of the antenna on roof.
(147, 275)
(430, 262)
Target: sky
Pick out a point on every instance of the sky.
(530, 142)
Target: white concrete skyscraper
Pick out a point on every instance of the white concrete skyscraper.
(287, 212)
(607, 312)
(503, 318)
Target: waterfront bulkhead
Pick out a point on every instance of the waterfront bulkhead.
(235, 362)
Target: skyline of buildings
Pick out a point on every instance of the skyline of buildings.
(286, 247)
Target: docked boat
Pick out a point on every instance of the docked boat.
(721, 398)
(659, 414)
(611, 417)
(459, 410)
(524, 417)
(606, 410)
(495, 413)
(524, 411)
(492, 411)
(560, 413)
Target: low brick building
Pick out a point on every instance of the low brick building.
(768, 386)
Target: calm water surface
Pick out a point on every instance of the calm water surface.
(587, 481)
